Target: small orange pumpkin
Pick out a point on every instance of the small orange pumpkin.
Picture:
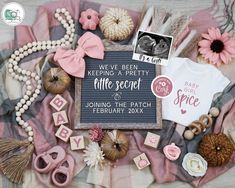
(115, 145)
(56, 80)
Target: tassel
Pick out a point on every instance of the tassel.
(14, 166)
(8, 145)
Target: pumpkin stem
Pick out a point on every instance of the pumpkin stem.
(117, 21)
(117, 146)
(54, 79)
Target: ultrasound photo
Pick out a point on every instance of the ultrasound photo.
(154, 45)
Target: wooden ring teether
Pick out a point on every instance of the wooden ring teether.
(207, 120)
(195, 128)
(201, 123)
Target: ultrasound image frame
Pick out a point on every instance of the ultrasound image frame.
(152, 45)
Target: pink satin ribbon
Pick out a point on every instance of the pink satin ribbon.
(72, 61)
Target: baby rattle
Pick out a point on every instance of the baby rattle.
(198, 126)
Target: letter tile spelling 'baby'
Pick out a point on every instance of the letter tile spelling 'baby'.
(60, 118)
(63, 133)
(58, 102)
(77, 142)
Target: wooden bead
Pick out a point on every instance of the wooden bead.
(28, 129)
(188, 134)
(30, 139)
(203, 125)
(207, 120)
(214, 111)
(195, 128)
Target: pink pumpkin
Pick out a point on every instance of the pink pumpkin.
(89, 19)
(172, 152)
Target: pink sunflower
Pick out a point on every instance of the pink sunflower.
(217, 48)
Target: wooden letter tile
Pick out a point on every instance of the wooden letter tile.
(141, 161)
(77, 142)
(58, 102)
(60, 118)
(152, 140)
(63, 133)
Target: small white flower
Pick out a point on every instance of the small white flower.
(194, 164)
(93, 156)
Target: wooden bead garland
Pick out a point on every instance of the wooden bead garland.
(24, 75)
(8, 166)
(198, 126)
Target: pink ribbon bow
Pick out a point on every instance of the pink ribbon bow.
(72, 61)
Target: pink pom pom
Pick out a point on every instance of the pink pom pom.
(89, 19)
(96, 134)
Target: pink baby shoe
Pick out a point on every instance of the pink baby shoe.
(48, 160)
(63, 174)
(89, 19)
